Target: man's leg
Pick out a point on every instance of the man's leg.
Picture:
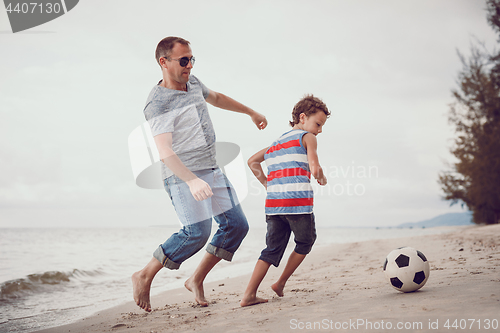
(179, 247)
(195, 283)
(232, 222)
(233, 227)
(196, 216)
(141, 282)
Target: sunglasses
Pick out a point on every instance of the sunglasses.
(184, 61)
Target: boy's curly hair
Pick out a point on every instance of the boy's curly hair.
(308, 105)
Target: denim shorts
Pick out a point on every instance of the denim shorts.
(196, 220)
(279, 229)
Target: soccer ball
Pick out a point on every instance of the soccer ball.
(406, 269)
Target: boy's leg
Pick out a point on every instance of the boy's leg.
(293, 262)
(259, 272)
(277, 236)
(278, 233)
(304, 231)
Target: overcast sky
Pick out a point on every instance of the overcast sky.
(73, 89)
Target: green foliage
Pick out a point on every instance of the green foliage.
(475, 178)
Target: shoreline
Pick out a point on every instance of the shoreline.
(336, 284)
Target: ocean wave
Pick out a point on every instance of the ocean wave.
(42, 282)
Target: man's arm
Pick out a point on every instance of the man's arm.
(198, 187)
(311, 144)
(227, 103)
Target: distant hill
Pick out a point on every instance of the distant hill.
(442, 220)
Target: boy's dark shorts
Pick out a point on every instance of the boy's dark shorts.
(279, 229)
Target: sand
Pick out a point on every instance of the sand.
(342, 288)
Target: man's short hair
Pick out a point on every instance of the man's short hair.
(308, 105)
(165, 46)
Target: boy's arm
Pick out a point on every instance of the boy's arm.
(254, 163)
(227, 103)
(198, 187)
(311, 144)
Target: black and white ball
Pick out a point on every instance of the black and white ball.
(406, 269)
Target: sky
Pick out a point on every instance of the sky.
(73, 89)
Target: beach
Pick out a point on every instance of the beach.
(339, 287)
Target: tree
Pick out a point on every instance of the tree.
(475, 178)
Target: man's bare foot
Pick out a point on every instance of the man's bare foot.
(197, 290)
(278, 289)
(141, 290)
(252, 300)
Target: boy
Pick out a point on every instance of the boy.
(290, 160)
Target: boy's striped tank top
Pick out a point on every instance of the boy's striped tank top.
(289, 189)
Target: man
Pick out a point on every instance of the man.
(177, 113)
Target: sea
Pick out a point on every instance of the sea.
(51, 277)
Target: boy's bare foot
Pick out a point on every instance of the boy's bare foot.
(278, 289)
(197, 290)
(141, 291)
(252, 300)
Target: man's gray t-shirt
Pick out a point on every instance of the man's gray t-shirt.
(185, 115)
